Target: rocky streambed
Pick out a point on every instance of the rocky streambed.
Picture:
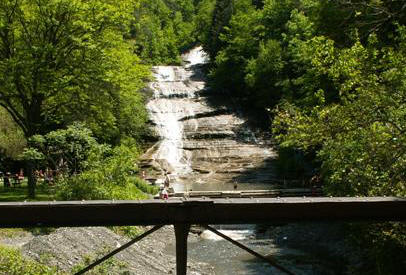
(66, 248)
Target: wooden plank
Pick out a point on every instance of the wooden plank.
(249, 193)
(200, 211)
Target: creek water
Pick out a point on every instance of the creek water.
(207, 145)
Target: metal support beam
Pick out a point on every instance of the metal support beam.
(121, 248)
(256, 254)
(181, 234)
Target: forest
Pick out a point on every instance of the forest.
(329, 75)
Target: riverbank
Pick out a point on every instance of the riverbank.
(68, 248)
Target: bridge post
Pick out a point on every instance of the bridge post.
(181, 234)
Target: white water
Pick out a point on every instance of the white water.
(203, 143)
(173, 91)
(236, 235)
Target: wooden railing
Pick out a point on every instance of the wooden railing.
(184, 212)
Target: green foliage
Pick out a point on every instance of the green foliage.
(129, 231)
(338, 99)
(204, 13)
(43, 193)
(262, 71)
(87, 169)
(67, 150)
(221, 15)
(13, 263)
(242, 35)
(360, 138)
(12, 139)
(384, 245)
(111, 177)
(110, 266)
(332, 74)
(162, 29)
(63, 61)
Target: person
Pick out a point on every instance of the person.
(48, 177)
(165, 195)
(315, 184)
(21, 175)
(161, 191)
(6, 179)
(41, 174)
(16, 180)
(167, 180)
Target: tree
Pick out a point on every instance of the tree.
(204, 13)
(12, 141)
(68, 149)
(360, 138)
(163, 29)
(332, 75)
(62, 61)
(222, 12)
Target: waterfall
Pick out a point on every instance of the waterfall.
(172, 101)
(208, 145)
(203, 141)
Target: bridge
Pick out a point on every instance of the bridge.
(273, 193)
(183, 212)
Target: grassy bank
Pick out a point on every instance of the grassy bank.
(19, 192)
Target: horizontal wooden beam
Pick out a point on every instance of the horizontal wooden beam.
(200, 211)
(292, 192)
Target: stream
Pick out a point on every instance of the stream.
(207, 145)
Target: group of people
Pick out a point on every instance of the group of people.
(47, 176)
(14, 179)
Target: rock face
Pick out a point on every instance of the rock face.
(204, 143)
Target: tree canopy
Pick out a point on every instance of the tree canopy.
(331, 75)
(162, 29)
(63, 61)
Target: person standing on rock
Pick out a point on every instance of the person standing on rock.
(167, 180)
(163, 192)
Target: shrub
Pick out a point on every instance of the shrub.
(13, 263)
(112, 177)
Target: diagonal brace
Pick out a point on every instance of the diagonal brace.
(256, 254)
(121, 248)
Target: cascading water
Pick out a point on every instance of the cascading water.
(207, 146)
(203, 143)
(174, 92)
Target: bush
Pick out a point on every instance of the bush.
(110, 266)
(112, 177)
(12, 262)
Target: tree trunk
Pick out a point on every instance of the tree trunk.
(32, 180)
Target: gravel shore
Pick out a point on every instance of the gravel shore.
(66, 248)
